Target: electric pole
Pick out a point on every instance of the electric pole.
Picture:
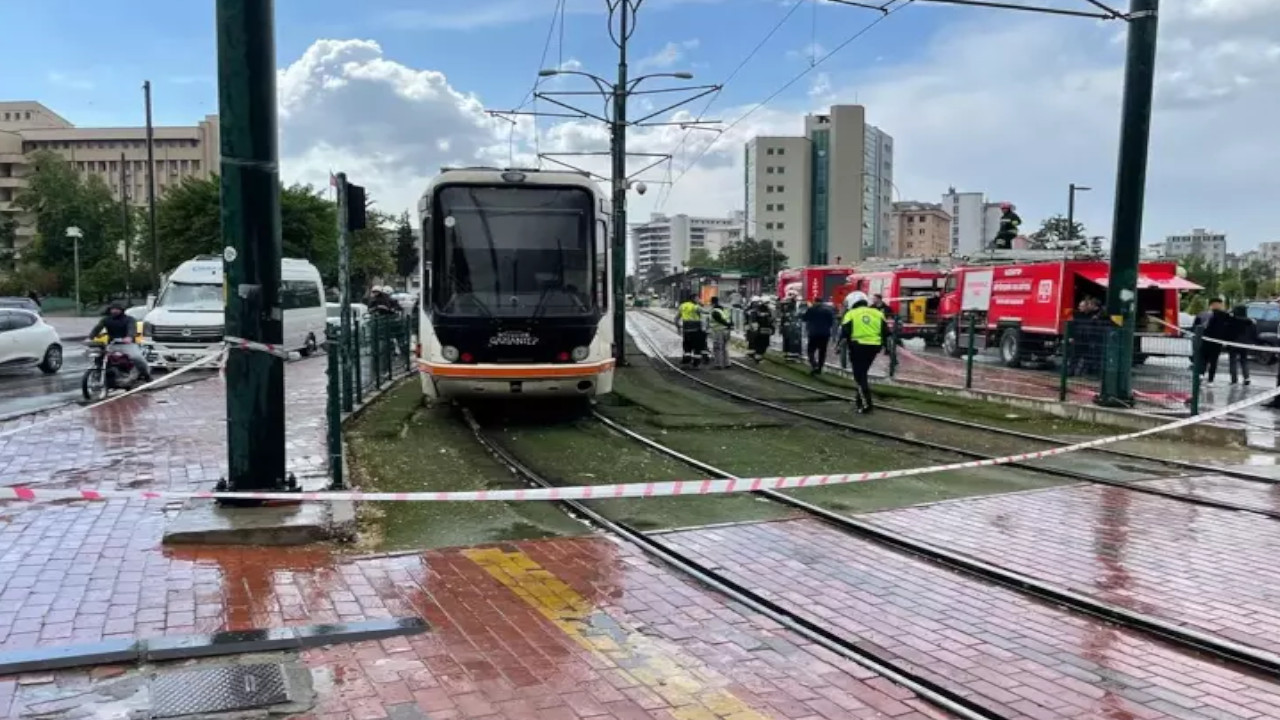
(1131, 185)
(151, 187)
(623, 13)
(124, 220)
(251, 243)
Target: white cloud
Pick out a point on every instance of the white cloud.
(667, 57)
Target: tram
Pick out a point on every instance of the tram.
(515, 285)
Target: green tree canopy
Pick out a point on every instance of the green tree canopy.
(701, 258)
(60, 198)
(757, 257)
(1055, 231)
(406, 248)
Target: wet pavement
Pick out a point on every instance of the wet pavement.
(29, 390)
(1207, 568)
(1016, 656)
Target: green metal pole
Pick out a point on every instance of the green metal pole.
(1065, 364)
(1197, 367)
(619, 151)
(408, 337)
(344, 288)
(375, 352)
(333, 413)
(1131, 180)
(357, 361)
(251, 239)
(893, 346)
(968, 360)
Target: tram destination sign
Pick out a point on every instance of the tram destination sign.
(513, 338)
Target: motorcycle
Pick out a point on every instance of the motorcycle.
(110, 368)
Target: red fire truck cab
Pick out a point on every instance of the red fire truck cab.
(1023, 308)
(813, 282)
(912, 294)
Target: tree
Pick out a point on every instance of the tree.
(755, 257)
(1055, 233)
(406, 248)
(701, 258)
(8, 238)
(653, 274)
(60, 198)
(372, 251)
(189, 223)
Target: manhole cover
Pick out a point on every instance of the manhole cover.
(217, 689)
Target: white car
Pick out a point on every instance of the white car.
(26, 340)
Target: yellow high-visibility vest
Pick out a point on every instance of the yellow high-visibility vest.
(867, 325)
(690, 312)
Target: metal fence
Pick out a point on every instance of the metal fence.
(376, 354)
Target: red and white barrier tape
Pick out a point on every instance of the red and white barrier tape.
(623, 490)
(235, 342)
(1227, 343)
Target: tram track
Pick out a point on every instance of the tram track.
(932, 692)
(948, 695)
(643, 336)
(1006, 432)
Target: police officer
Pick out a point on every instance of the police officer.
(721, 327)
(692, 334)
(866, 330)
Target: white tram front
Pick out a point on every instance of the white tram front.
(515, 285)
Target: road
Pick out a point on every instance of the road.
(28, 389)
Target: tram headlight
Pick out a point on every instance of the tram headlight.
(450, 353)
(580, 353)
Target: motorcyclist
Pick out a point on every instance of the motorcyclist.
(381, 302)
(1009, 224)
(119, 327)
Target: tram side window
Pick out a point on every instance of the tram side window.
(602, 265)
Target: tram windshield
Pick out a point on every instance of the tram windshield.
(513, 251)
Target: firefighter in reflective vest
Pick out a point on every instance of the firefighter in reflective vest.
(721, 326)
(866, 331)
(693, 335)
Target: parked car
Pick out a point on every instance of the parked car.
(27, 340)
(359, 313)
(1266, 316)
(20, 303)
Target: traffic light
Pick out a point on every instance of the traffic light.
(355, 207)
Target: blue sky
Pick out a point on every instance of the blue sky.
(1011, 104)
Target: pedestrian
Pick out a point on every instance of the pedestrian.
(1244, 331)
(866, 331)
(721, 327)
(819, 319)
(35, 298)
(760, 319)
(1217, 327)
(689, 319)
(790, 325)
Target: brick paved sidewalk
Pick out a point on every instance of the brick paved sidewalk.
(578, 628)
(1211, 569)
(1017, 656)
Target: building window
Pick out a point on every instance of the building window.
(769, 170)
(768, 208)
(781, 151)
(782, 226)
(779, 243)
(768, 226)
(769, 151)
(781, 169)
(781, 207)
(782, 188)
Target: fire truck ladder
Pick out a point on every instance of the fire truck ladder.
(1011, 257)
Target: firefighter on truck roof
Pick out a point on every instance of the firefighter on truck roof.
(1009, 224)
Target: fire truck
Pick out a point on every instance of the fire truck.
(912, 290)
(812, 282)
(1020, 301)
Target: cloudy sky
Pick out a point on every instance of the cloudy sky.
(1016, 105)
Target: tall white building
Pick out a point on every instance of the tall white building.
(825, 197)
(974, 221)
(667, 240)
(1207, 245)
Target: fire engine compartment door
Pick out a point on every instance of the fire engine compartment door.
(977, 291)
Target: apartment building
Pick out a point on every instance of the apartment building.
(665, 241)
(919, 229)
(27, 127)
(974, 220)
(825, 197)
(778, 179)
(1207, 245)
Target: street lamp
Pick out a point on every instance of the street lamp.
(75, 234)
(1071, 207)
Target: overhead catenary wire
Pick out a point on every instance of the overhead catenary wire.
(888, 12)
(724, 83)
(557, 18)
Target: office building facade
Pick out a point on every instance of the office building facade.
(666, 241)
(919, 230)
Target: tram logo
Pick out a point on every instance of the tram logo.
(513, 338)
